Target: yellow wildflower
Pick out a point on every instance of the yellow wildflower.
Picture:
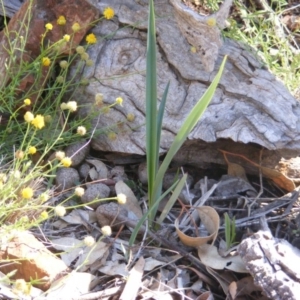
(32, 150)
(79, 191)
(108, 13)
(67, 37)
(27, 101)
(3, 177)
(66, 162)
(76, 27)
(63, 106)
(99, 98)
(61, 20)
(27, 193)
(16, 174)
(38, 122)
(89, 241)
(84, 56)
(46, 61)
(211, 22)
(60, 210)
(89, 62)
(193, 49)
(19, 154)
(44, 197)
(48, 118)
(84, 82)
(119, 101)
(49, 26)
(106, 230)
(80, 49)
(60, 79)
(63, 64)
(130, 117)
(81, 130)
(121, 198)
(72, 106)
(28, 117)
(44, 215)
(112, 136)
(60, 155)
(91, 39)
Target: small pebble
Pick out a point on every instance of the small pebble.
(95, 191)
(66, 178)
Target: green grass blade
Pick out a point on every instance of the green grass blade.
(188, 125)
(151, 209)
(172, 199)
(151, 105)
(160, 114)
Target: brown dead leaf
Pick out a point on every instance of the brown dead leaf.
(223, 277)
(279, 179)
(206, 296)
(243, 287)
(210, 220)
(211, 258)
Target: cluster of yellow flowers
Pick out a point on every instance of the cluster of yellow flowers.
(37, 121)
(71, 106)
(65, 161)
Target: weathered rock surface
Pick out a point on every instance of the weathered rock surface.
(250, 110)
(250, 105)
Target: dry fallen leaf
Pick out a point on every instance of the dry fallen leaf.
(280, 179)
(243, 287)
(134, 281)
(71, 286)
(223, 277)
(99, 171)
(210, 257)
(210, 220)
(206, 296)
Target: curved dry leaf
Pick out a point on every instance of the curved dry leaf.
(210, 257)
(223, 277)
(206, 296)
(132, 204)
(210, 220)
(280, 179)
(99, 171)
(243, 287)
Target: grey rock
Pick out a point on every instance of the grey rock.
(66, 178)
(95, 191)
(84, 170)
(77, 152)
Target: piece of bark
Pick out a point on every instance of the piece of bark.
(37, 16)
(22, 252)
(271, 262)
